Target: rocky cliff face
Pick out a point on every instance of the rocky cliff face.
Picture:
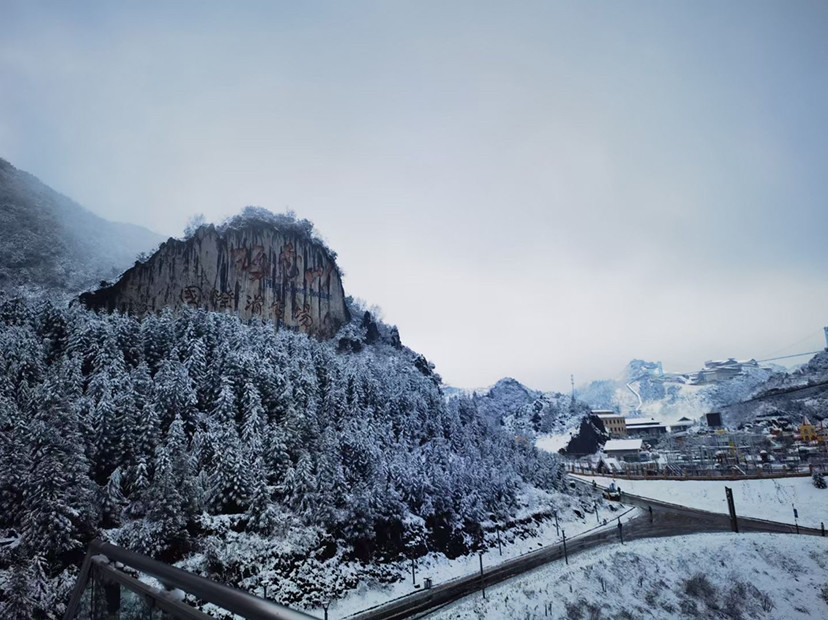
(258, 270)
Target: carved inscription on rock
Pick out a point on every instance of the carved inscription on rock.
(254, 272)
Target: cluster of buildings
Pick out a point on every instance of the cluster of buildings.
(627, 434)
(620, 426)
(716, 371)
(771, 442)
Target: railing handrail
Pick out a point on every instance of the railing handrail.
(226, 597)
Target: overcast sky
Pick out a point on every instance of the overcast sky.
(525, 189)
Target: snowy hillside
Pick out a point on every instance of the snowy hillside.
(255, 455)
(795, 395)
(706, 576)
(772, 499)
(50, 243)
(524, 410)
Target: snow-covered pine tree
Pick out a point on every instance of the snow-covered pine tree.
(112, 500)
(175, 396)
(198, 371)
(225, 412)
(59, 496)
(253, 418)
(262, 515)
(230, 480)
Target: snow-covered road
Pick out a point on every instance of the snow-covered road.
(761, 576)
(440, 569)
(772, 499)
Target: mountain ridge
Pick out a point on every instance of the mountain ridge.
(50, 244)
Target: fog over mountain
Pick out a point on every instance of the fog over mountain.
(50, 243)
(579, 184)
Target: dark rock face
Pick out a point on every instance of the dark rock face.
(591, 436)
(372, 331)
(257, 271)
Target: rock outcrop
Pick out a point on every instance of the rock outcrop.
(257, 270)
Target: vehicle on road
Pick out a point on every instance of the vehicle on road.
(613, 492)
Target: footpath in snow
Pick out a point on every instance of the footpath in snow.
(772, 499)
(757, 576)
(440, 569)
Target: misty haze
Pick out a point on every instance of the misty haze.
(384, 310)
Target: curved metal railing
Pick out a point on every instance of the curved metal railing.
(103, 566)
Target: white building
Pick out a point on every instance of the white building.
(619, 448)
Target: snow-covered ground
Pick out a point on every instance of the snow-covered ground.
(440, 569)
(773, 498)
(552, 443)
(755, 576)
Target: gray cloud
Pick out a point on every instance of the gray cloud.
(527, 191)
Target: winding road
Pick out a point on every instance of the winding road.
(666, 520)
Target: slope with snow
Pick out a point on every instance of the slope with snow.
(527, 412)
(515, 542)
(772, 499)
(758, 576)
(50, 243)
(796, 395)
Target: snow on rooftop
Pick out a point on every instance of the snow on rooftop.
(622, 444)
(641, 421)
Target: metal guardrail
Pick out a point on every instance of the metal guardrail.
(688, 473)
(99, 564)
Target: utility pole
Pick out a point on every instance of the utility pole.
(566, 557)
(734, 523)
(482, 587)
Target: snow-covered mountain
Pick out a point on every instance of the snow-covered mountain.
(256, 454)
(793, 395)
(49, 243)
(644, 390)
(519, 408)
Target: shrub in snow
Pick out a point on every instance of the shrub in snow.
(819, 480)
(699, 586)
